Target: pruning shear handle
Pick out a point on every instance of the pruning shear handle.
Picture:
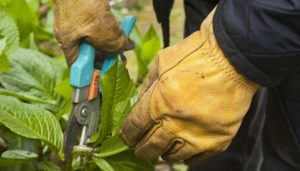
(82, 69)
(86, 100)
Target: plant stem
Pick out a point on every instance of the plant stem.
(84, 150)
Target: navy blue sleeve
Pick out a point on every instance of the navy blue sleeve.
(261, 38)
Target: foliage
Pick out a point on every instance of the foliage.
(146, 47)
(33, 77)
(117, 90)
(35, 95)
(9, 39)
(123, 161)
(30, 121)
(146, 51)
(26, 16)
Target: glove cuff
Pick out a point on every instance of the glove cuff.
(219, 59)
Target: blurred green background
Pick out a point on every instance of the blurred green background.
(144, 12)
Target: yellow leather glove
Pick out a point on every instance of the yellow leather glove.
(86, 19)
(191, 104)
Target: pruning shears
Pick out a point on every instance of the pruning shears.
(87, 97)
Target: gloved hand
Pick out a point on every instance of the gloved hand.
(191, 104)
(90, 20)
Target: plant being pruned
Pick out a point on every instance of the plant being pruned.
(35, 100)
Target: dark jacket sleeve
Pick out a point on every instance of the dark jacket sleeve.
(261, 38)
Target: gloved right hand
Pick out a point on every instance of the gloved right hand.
(90, 20)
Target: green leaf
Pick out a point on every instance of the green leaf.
(180, 167)
(123, 161)
(47, 23)
(30, 121)
(150, 45)
(4, 63)
(146, 52)
(42, 34)
(2, 44)
(19, 154)
(26, 18)
(26, 15)
(111, 146)
(8, 31)
(33, 77)
(29, 42)
(64, 88)
(11, 158)
(48, 166)
(33, 6)
(146, 47)
(120, 113)
(116, 87)
(142, 66)
(136, 36)
(18, 142)
(103, 164)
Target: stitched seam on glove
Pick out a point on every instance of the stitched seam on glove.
(218, 58)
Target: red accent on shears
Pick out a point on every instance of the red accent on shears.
(94, 89)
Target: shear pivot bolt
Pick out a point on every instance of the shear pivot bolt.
(84, 111)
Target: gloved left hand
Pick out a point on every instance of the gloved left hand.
(90, 20)
(191, 103)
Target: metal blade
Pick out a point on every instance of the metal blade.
(70, 135)
(93, 125)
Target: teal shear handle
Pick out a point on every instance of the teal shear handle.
(82, 69)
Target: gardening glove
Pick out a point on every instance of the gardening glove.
(191, 103)
(90, 20)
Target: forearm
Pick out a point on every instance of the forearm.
(262, 42)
